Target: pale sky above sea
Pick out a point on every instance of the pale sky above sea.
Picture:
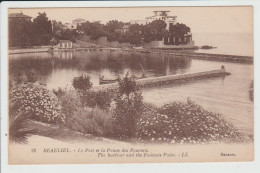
(199, 19)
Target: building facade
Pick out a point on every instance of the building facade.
(158, 15)
(70, 26)
(176, 40)
(65, 44)
(125, 28)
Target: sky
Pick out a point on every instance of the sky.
(199, 19)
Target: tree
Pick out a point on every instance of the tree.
(20, 32)
(42, 29)
(95, 29)
(135, 34)
(155, 30)
(113, 25)
(68, 35)
(57, 28)
(179, 30)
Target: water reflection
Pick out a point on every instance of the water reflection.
(109, 64)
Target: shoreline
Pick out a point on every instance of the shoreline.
(194, 55)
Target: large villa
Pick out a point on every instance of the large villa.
(169, 41)
(158, 15)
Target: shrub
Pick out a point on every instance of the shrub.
(90, 121)
(59, 92)
(102, 99)
(82, 83)
(24, 76)
(185, 123)
(69, 103)
(31, 76)
(18, 130)
(128, 108)
(127, 85)
(39, 102)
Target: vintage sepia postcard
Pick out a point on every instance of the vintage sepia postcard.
(150, 84)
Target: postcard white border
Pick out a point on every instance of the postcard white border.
(179, 167)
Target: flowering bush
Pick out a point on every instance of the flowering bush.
(37, 101)
(185, 123)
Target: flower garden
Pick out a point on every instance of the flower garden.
(120, 115)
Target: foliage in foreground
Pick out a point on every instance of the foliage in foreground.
(18, 131)
(101, 99)
(82, 118)
(127, 108)
(185, 123)
(88, 97)
(37, 101)
(127, 118)
(82, 83)
(93, 121)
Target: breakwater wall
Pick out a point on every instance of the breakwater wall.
(28, 50)
(220, 57)
(206, 56)
(40, 50)
(164, 80)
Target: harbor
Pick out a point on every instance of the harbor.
(58, 70)
(146, 78)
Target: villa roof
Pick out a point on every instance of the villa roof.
(163, 16)
(65, 41)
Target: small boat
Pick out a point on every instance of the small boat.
(207, 47)
(106, 81)
(109, 81)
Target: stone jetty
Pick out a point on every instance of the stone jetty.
(204, 56)
(164, 80)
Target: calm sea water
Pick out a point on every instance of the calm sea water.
(225, 95)
(226, 43)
